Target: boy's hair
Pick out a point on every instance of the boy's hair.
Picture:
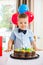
(22, 16)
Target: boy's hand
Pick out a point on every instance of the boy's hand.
(8, 50)
(9, 46)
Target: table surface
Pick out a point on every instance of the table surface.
(6, 60)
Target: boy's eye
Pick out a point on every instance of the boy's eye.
(20, 22)
(24, 22)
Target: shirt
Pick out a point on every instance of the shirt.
(22, 40)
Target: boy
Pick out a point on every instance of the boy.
(22, 36)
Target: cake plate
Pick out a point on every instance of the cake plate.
(31, 57)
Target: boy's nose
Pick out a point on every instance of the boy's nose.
(22, 24)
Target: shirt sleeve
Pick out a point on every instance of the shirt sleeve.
(31, 37)
(12, 37)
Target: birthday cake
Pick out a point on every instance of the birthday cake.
(24, 53)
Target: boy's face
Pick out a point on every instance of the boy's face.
(23, 23)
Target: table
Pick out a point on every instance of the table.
(6, 60)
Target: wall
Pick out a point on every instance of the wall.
(38, 22)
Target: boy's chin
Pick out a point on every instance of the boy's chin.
(23, 28)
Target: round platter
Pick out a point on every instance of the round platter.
(32, 57)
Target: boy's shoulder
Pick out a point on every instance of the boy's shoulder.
(15, 30)
(30, 32)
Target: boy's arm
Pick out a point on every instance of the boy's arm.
(10, 42)
(35, 47)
